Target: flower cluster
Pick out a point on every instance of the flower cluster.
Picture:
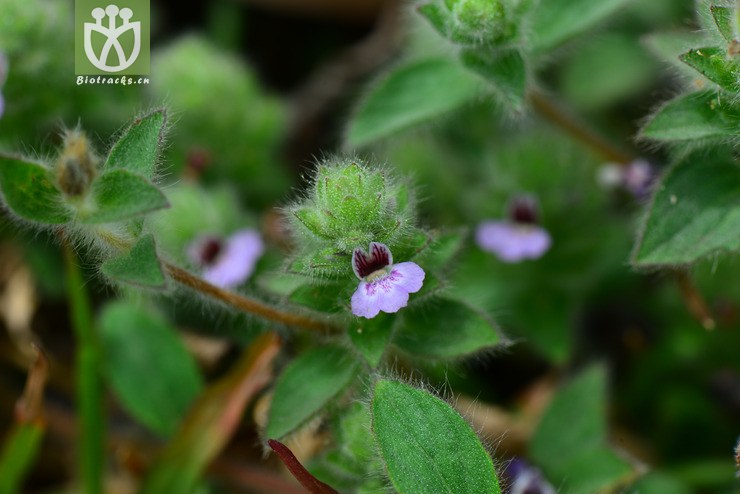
(518, 237)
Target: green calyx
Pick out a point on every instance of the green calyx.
(473, 22)
(349, 205)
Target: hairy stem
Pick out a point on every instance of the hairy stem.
(570, 125)
(89, 385)
(247, 304)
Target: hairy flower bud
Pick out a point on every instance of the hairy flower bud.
(473, 22)
(349, 205)
(76, 166)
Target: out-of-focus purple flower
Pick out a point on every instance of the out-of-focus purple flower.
(517, 238)
(636, 177)
(384, 286)
(523, 478)
(227, 262)
(639, 177)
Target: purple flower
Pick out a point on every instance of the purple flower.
(639, 176)
(517, 238)
(636, 177)
(384, 286)
(227, 262)
(523, 478)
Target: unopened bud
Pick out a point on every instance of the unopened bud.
(76, 166)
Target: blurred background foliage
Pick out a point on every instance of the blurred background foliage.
(257, 91)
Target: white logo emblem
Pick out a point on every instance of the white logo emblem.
(112, 32)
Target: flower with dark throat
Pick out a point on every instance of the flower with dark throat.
(518, 237)
(227, 262)
(384, 286)
(523, 478)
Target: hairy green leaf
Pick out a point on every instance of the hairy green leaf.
(306, 386)
(138, 147)
(556, 21)
(695, 212)
(371, 336)
(723, 20)
(714, 64)
(120, 195)
(140, 266)
(411, 95)
(445, 328)
(29, 191)
(426, 445)
(147, 366)
(694, 116)
(505, 70)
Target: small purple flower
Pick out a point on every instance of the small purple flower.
(227, 262)
(636, 177)
(639, 177)
(517, 238)
(523, 478)
(384, 286)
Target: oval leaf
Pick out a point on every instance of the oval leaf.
(426, 445)
(147, 366)
(29, 191)
(306, 386)
(140, 266)
(714, 64)
(695, 212)
(445, 328)
(694, 116)
(409, 96)
(120, 195)
(138, 147)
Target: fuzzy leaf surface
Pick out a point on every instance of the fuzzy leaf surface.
(29, 191)
(426, 445)
(138, 147)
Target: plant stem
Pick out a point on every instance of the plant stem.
(570, 125)
(694, 301)
(247, 304)
(89, 385)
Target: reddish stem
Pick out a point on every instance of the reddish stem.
(311, 483)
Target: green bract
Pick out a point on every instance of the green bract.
(474, 22)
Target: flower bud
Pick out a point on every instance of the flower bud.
(76, 166)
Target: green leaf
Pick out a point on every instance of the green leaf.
(713, 63)
(322, 298)
(442, 251)
(445, 328)
(575, 452)
(436, 17)
(140, 266)
(694, 116)
(505, 70)
(371, 336)
(120, 195)
(138, 147)
(147, 366)
(556, 21)
(306, 386)
(21, 447)
(694, 212)
(411, 95)
(723, 20)
(29, 191)
(426, 445)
